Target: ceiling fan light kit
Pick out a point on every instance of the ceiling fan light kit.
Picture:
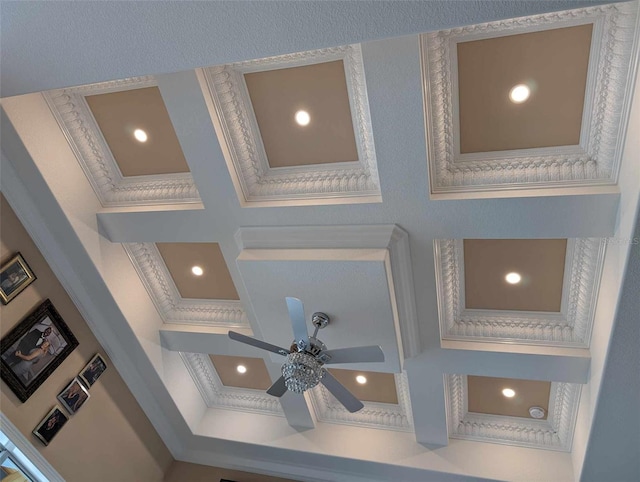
(303, 368)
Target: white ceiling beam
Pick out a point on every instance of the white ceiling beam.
(557, 364)
(183, 225)
(191, 119)
(205, 339)
(585, 216)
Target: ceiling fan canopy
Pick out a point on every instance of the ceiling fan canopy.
(304, 365)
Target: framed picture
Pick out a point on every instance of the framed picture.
(74, 396)
(50, 425)
(93, 370)
(34, 349)
(15, 276)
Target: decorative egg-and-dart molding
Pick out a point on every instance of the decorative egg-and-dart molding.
(172, 307)
(571, 327)
(256, 183)
(90, 148)
(217, 395)
(595, 161)
(375, 415)
(554, 433)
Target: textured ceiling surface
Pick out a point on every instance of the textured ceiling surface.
(378, 244)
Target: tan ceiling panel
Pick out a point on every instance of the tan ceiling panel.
(256, 376)
(553, 63)
(485, 396)
(215, 282)
(380, 387)
(119, 114)
(540, 263)
(320, 90)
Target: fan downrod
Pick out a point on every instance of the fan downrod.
(319, 320)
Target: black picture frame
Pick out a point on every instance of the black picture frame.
(50, 425)
(27, 339)
(15, 276)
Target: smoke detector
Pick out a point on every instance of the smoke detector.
(536, 412)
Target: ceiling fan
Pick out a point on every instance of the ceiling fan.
(303, 368)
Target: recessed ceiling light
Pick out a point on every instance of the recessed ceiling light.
(507, 392)
(197, 270)
(519, 93)
(361, 379)
(241, 369)
(140, 135)
(513, 278)
(303, 118)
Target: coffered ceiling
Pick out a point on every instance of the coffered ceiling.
(404, 240)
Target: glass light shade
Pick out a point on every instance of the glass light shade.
(301, 372)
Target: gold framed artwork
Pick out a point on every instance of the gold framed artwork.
(15, 276)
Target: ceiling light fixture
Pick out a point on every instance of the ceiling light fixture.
(509, 393)
(519, 93)
(241, 369)
(361, 379)
(197, 270)
(513, 278)
(140, 135)
(303, 118)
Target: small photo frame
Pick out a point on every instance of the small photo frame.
(93, 370)
(74, 396)
(15, 276)
(50, 425)
(34, 349)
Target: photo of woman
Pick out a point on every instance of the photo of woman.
(23, 367)
(73, 396)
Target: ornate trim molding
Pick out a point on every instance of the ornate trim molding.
(595, 161)
(72, 112)
(172, 307)
(390, 237)
(555, 433)
(375, 415)
(571, 327)
(257, 184)
(217, 395)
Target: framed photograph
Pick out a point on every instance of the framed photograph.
(93, 370)
(34, 349)
(74, 396)
(50, 425)
(15, 276)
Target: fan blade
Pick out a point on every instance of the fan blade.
(278, 388)
(296, 313)
(344, 396)
(358, 354)
(257, 343)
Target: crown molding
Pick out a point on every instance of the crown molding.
(256, 183)
(571, 327)
(83, 134)
(386, 416)
(554, 433)
(595, 161)
(390, 237)
(217, 395)
(156, 278)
